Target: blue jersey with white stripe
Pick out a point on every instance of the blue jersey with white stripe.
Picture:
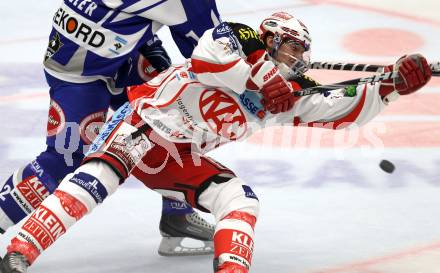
(91, 39)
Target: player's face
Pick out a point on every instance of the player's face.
(290, 52)
(289, 57)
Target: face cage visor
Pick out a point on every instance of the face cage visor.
(291, 56)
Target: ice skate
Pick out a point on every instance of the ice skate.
(14, 262)
(185, 234)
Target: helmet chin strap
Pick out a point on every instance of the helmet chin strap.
(283, 68)
(285, 71)
(276, 46)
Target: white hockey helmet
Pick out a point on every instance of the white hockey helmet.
(287, 29)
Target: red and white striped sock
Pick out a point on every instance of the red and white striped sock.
(233, 242)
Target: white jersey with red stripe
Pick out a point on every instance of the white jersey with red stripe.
(224, 55)
(206, 101)
(182, 109)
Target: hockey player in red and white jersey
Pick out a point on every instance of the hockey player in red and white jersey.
(229, 89)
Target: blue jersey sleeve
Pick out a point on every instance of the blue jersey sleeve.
(202, 15)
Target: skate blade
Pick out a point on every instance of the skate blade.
(183, 246)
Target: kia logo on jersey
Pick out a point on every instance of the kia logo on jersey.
(222, 114)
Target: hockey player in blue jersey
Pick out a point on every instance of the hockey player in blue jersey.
(93, 53)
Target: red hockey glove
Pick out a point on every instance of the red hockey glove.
(276, 91)
(414, 73)
(278, 95)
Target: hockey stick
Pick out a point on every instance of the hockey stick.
(435, 67)
(347, 84)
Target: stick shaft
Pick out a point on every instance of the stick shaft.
(435, 67)
(354, 82)
(346, 66)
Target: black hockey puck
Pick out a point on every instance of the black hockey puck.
(387, 166)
